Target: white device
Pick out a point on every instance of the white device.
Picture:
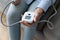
(28, 17)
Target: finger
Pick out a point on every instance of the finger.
(22, 22)
(35, 19)
(27, 24)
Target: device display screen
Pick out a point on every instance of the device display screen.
(27, 17)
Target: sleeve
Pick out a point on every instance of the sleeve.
(45, 4)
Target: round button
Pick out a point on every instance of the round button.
(29, 14)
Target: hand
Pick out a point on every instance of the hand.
(16, 2)
(37, 13)
(36, 17)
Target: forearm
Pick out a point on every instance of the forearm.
(45, 4)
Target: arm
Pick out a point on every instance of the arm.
(42, 7)
(16, 2)
(45, 4)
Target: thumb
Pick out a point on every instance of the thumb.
(35, 18)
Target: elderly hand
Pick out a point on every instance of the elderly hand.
(36, 18)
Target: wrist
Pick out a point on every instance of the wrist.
(39, 10)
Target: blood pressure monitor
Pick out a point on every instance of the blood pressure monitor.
(28, 17)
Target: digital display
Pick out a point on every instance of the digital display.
(27, 17)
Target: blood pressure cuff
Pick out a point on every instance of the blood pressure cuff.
(49, 12)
